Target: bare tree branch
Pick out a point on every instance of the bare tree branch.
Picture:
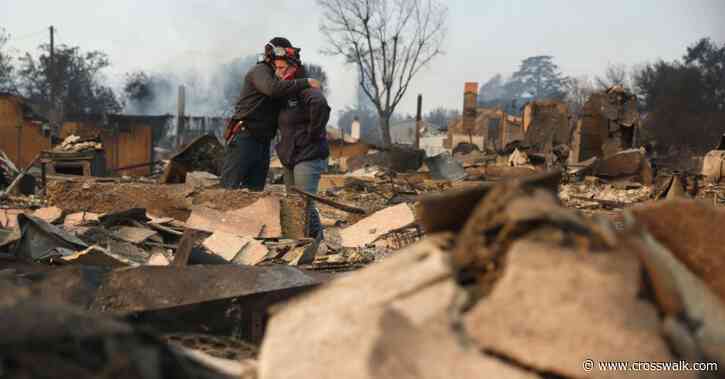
(389, 41)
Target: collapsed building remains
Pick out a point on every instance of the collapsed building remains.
(546, 126)
(609, 122)
(488, 262)
(490, 129)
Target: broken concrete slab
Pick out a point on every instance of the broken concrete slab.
(379, 223)
(261, 219)
(349, 312)
(266, 212)
(385, 344)
(133, 234)
(406, 351)
(80, 219)
(50, 215)
(692, 230)
(98, 256)
(252, 253)
(158, 259)
(225, 245)
(541, 311)
(211, 220)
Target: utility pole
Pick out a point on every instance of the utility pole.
(418, 121)
(51, 72)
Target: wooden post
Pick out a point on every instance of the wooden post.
(418, 121)
(181, 105)
(183, 251)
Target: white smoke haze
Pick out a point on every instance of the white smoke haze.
(211, 88)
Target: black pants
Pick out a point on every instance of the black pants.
(246, 163)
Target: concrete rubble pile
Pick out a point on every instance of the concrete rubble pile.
(462, 267)
(197, 264)
(509, 284)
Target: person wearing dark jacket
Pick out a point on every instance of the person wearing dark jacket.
(303, 149)
(254, 124)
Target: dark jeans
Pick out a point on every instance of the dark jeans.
(306, 176)
(246, 163)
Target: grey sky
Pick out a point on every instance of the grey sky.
(484, 37)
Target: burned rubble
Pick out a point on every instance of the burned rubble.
(512, 259)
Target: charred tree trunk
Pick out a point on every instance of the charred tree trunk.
(385, 129)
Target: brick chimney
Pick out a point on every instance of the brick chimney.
(470, 103)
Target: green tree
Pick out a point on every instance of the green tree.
(685, 99)
(77, 77)
(539, 78)
(7, 81)
(709, 59)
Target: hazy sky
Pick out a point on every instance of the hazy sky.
(484, 37)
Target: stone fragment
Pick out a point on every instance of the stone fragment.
(253, 253)
(262, 218)
(49, 214)
(134, 234)
(370, 228)
(554, 308)
(79, 219)
(226, 245)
